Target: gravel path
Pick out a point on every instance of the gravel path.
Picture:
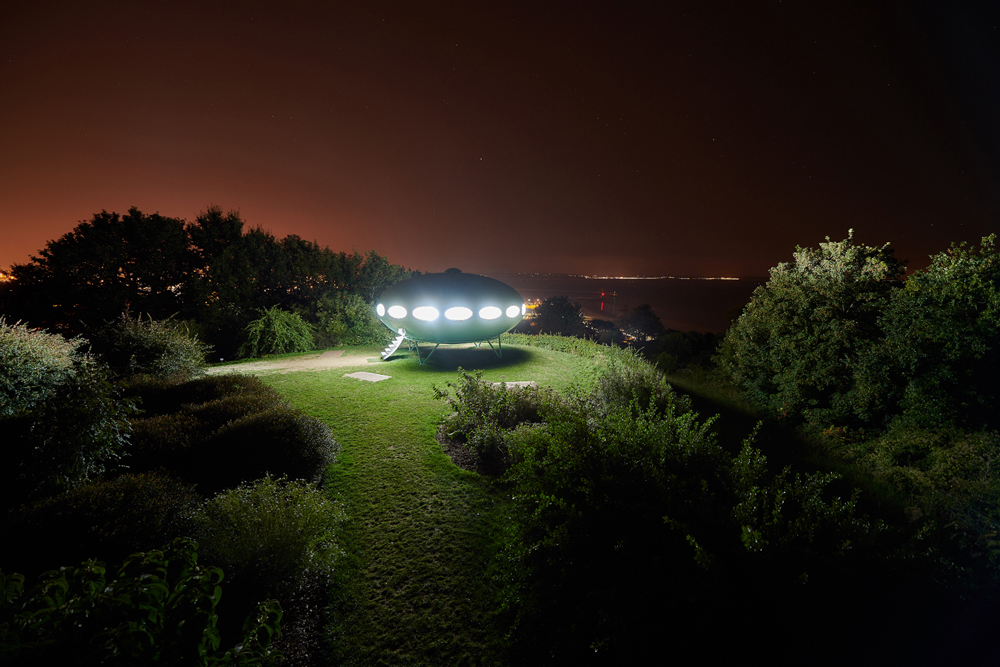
(313, 362)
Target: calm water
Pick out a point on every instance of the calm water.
(686, 305)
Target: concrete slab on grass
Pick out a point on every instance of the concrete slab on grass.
(518, 383)
(368, 377)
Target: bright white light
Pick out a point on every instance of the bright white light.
(457, 313)
(380, 309)
(513, 311)
(522, 310)
(490, 312)
(426, 313)
(397, 312)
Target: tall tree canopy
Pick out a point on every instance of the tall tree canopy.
(797, 345)
(102, 267)
(211, 270)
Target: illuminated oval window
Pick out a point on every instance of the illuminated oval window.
(397, 312)
(513, 311)
(490, 312)
(380, 309)
(426, 313)
(458, 313)
(522, 309)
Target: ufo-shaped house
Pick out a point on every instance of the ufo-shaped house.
(450, 307)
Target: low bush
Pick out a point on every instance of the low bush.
(158, 396)
(74, 435)
(485, 412)
(347, 319)
(269, 532)
(277, 331)
(33, 365)
(628, 379)
(105, 518)
(280, 441)
(159, 608)
(158, 348)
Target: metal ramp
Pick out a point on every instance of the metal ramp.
(394, 345)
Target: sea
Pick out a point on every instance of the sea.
(683, 304)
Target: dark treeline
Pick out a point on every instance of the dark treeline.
(214, 273)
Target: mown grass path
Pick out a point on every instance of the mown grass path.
(414, 587)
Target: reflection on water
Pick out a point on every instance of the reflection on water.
(686, 305)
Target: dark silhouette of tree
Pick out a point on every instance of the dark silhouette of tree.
(641, 323)
(559, 315)
(102, 268)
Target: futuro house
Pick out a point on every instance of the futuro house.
(450, 307)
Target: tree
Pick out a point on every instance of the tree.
(277, 331)
(559, 315)
(939, 363)
(102, 268)
(641, 323)
(795, 349)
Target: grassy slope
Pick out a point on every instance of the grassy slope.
(419, 532)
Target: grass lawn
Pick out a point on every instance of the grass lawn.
(414, 586)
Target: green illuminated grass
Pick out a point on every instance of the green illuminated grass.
(414, 587)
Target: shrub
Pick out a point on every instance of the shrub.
(159, 348)
(626, 378)
(485, 411)
(33, 365)
(160, 608)
(269, 532)
(276, 331)
(72, 436)
(796, 347)
(107, 518)
(347, 319)
(158, 396)
(281, 440)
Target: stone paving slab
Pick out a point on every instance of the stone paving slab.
(368, 377)
(518, 383)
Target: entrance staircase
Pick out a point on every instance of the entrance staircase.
(394, 345)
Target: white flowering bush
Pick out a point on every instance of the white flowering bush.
(33, 364)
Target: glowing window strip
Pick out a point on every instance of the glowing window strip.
(490, 312)
(426, 313)
(522, 309)
(397, 312)
(380, 309)
(513, 311)
(458, 313)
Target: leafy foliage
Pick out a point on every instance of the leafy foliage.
(270, 531)
(277, 331)
(558, 315)
(641, 323)
(159, 608)
(939, 363)
(33, 365)
(234, 429)
(102, 268)
(280, 440)
(107, 518)
(69, 438)
(163, 348)
(795, 348)
(347, 319)
(485, 411)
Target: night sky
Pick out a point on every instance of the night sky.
(681, 138)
